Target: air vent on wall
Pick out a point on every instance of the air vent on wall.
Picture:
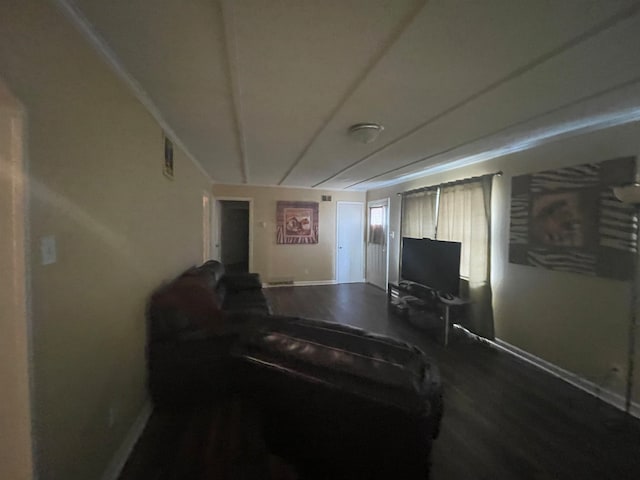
(326, 198)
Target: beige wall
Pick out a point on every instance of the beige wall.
(15, 413)
(301, 263)
(96, 184)
(573, 321)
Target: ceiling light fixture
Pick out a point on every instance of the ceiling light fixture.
(365, 132)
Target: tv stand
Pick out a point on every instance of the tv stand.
(423, 306)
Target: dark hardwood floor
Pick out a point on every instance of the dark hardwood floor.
(504, 419)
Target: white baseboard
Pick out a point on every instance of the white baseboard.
(307, 283)
(583, 384)
(314, 282)
(122, 454)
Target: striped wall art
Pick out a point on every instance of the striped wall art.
(569, 220)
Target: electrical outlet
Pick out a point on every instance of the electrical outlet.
(306, 271)
(48, 253)
(612, 376)
(615, 370)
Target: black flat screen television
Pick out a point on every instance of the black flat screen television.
(433, 263)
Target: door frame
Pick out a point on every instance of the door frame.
(20, 370)
(386, 202)
(207, 225)
(363, 244)
(218, 225)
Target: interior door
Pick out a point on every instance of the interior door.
(377, 243)
(350, 242)
(234, 235)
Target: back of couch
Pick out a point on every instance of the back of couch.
(187, 306)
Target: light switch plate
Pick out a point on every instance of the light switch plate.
(48, 252)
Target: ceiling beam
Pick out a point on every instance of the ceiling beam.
(390, 41)
(599, 122)
(231, 61)
(562, 48)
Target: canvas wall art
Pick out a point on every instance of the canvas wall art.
(297, 222)
(569, 220)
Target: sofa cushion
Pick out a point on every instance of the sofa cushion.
(349, 359)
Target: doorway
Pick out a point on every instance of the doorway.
(377, 243)
(16, 458)
(206, 227)
(234, 244)
(350, 242)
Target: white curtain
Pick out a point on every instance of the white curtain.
(465, 216)
(463, 219)
(419, 214)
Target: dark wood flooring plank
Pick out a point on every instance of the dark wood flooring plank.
(504, 419)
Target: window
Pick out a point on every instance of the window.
(376, 225)
(463, 217)
(457, 213)
(419, 214)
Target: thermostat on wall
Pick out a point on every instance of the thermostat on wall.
(48, 250)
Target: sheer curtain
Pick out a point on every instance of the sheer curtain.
(465, 216)
(419, 214)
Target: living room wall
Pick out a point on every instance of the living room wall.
(95, 183)
(575, 322)
(300, 263)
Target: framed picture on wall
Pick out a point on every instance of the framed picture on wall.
(297, 222)
(569, 220)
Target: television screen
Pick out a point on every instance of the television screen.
(433, 263)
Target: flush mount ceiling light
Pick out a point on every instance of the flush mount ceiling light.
(365, 132)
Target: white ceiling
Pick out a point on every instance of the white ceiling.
(263, 91)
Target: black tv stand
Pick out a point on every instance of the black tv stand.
(422, 305)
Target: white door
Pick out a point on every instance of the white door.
(350, 242)
(377, 243)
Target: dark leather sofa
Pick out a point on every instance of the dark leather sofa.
(191, 324)
(235, 292)
(337, 401)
